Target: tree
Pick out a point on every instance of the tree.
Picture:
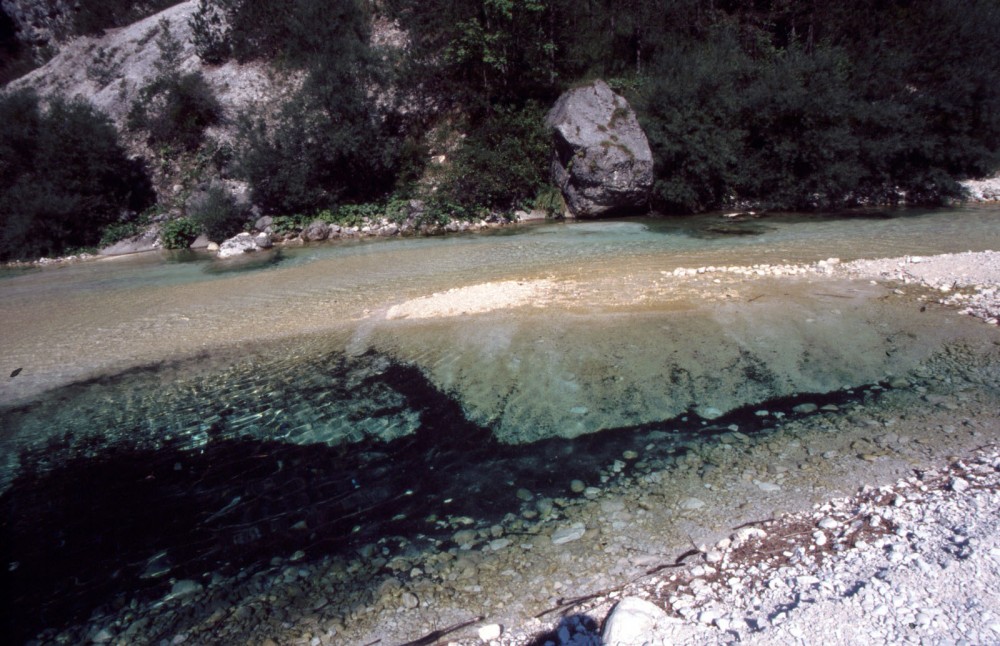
(63, 177)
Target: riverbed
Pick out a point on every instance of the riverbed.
(374, 423)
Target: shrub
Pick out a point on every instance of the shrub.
(502, 163)
(217, 215)
(174, 109)
(180, 233)
(63, 177)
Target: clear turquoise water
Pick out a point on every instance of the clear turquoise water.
(116, 455)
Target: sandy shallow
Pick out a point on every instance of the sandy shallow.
(657, 530)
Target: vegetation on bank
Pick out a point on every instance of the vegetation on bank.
(63, 177)
(768, 102)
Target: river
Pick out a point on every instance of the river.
(176, 415)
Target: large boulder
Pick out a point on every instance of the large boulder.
(243, 243)
(602, 162)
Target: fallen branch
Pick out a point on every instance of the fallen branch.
(433, 637)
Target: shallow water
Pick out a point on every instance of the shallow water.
(234, 411)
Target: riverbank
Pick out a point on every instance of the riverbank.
(656, 521)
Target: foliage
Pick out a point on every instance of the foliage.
(63, 176)
(332, 142)
(217, 215)
(174, 109)
(301, 31)
(94, 16)
(179, 233)
(502, 163)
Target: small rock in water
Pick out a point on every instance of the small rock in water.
(464, 537)
(708, 412)
(499, 544)
(410, 600)
(568, 534)
(630, 455)
(692, 503)
(577, 486)
(525, 495)
(184, 587)
(591, 493)
(767, 486)
(958, 485)
(805, 409)
(544, 506)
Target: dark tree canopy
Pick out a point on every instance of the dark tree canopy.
(63, 177)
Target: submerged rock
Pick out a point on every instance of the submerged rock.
(602, 162)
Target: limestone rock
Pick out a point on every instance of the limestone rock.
(145, 241)
(239, 244)
(602, 161)
(635, 622)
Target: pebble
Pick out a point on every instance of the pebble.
(767, 486)
(499, 544)
(568, 534)
(828, 523)
(577, 486)
(692, 503)
(958, 485)
(805, 409)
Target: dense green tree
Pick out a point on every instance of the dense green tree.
(63, 177)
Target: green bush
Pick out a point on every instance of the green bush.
(502, 163)
(63, 177)
(180, 233)
(217, 215)
(174, 109)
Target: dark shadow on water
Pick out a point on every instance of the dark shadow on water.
(88, 520)
(247, 262)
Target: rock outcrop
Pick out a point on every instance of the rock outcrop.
(602, 162)
(110, 71)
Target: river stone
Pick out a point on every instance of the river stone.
(568, 534)
(635, 622)
(602, 162)
(239, 244)
(692, 503)
(316, 231)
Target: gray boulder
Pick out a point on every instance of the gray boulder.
(316, 231)
(602, 162)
